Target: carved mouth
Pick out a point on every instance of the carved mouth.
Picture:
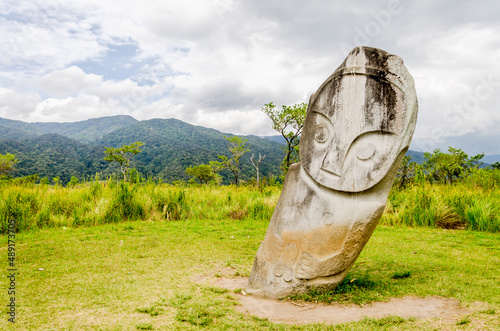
(328, 174)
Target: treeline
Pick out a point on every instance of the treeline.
(170, 146)
(438, 167)
(429, 195)
(53, 156)
(176, 152)
(448, 168)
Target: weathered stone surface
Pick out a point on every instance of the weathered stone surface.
(358, 127)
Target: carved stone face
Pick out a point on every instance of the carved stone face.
(356, 124)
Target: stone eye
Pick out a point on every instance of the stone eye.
(365, 151)
(321, 134)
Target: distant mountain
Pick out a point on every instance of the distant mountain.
(490, 159)
(416, 156)
(52, 155)
(277, 139)
(7, 132)
(169, 147)
(83, 131)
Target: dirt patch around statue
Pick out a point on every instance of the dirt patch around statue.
(445, 309)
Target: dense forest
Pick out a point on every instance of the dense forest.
(170, 146)
(77, 149)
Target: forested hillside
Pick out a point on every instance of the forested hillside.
(77, 149)
(82, 131)
(170, 146)
(52, 155)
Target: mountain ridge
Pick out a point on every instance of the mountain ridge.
(83, 131)
(170, 145)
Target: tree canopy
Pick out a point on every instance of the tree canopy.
(203, 172)
(446, 167)
(7, 162)
(237, 147)
(288, 121)
(123, 155)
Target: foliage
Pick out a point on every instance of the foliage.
(107, 268)
(451, 207)
(203, 172)
(445, 167)
(73, 181)
(237, 147)
(406, 172)
(26, 180)
(135, 176)
(124, 206)
(170, 146)
(56, 180)
(83, 131)
(464, 205)
(288, 121)
(56, 156)
(7, 162)
(123, 155)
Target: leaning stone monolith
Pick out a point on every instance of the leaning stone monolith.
(358, 127)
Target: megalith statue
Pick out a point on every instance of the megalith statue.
(358, 127)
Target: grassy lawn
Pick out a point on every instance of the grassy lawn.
(140, 275)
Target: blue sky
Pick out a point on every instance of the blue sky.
(215, 63)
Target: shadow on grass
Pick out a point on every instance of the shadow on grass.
(355, 288)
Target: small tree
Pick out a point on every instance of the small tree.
(256, 165)
(496, 165)
(203, 172)
(134, 176)
(56, 180)
(288, 121)
(7, 163)
(123, 155)
(447, 166)
(237, 148)
(406, 171)
(72, 182)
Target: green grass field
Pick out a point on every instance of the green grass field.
(140, 275)
(110, 256)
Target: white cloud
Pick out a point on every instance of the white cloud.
(236, 121)
(215, 63)
(16, 105)
(459, 85)
(67, 81)
(31, 50)
(77, 108)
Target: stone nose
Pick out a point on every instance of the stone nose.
(333, 161)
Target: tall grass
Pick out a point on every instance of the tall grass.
(95, 203)
(445, 206)
(461, 206)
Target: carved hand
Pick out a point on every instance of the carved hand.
(273, 247)
(307, 267)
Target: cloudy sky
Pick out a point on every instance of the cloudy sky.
(215, 63)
